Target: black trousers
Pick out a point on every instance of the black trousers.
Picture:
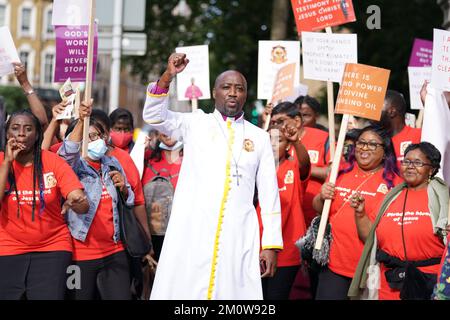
(157, 245)
(107, 278)
(34, 276)
(332, 286)
(279, 287)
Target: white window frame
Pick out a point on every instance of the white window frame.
(45, 21)
(32, 33)
(31, 60)
(48, 50)
(7, 12)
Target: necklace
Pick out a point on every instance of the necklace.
(230, 148)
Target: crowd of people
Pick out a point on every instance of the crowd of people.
(222, 202)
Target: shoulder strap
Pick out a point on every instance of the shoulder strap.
(153, 169)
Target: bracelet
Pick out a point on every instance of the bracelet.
(29, 92)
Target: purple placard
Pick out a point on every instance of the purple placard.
(422, 53)
(71, 53)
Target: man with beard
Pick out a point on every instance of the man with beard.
(211, 248)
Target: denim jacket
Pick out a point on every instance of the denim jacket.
(79, 224)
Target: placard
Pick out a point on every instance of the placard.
(315, 15)
(8, 52)
(193, 82)
(70, 13)
(417, 76)
(71, 53)
(272, 56)
(284, 83)
(440, 76)
(325, 55)
(421, 54)
(362, 91)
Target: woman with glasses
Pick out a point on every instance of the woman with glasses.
(371, 170)
(98, 249)
(408, 230)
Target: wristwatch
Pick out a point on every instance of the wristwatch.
(27, 93)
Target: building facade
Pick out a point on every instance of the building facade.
(30, 23)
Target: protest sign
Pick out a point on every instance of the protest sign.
(272, 56)
(71, 53)
(440, 75)
(325, 55)
(316, 15)
(8, 52)
(362, 91)
(284, 83)
(70, 12)
(361, 94)
(421, 54)
(193, 82)
(417, 76)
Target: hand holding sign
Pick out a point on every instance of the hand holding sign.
(361, 94)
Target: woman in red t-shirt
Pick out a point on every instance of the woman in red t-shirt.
(165, 161)
(35, 243)
(410, 227)
(285, 137)
(372, 171)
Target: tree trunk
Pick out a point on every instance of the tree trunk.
(280, 16)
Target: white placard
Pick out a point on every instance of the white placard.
(325, 55)
(8, 52)
(272, 56)
(299, 90)
(440, 77)
(197, 70)
(410, 120)
(70, 13)
(417, 76)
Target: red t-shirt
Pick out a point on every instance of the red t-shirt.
(132, 173)
(346, 248)
(99, 241)
(314, 141)
(54, 148)
(403, 139)
(292, 219)
(48, 231)
(420, 241)
(164, 168)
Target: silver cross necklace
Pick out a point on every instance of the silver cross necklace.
(230, 148)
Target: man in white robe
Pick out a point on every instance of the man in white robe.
(211, 248)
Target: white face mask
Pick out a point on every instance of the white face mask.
(97, 149)
(176, 146)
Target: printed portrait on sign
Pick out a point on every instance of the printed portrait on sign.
(279, 55)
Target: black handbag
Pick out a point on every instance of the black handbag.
(131, 232)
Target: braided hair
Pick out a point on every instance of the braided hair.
(38, 177)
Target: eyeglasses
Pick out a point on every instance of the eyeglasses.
(94, 136)
(414, 163)
(372, 146)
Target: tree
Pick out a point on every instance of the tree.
(231, 28)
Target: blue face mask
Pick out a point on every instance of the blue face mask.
(97, 149)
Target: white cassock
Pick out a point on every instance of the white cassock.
(211, 247)
(436, 128)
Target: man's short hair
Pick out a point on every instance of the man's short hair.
(396, 100)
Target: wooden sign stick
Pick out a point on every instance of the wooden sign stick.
(89, 69)
(333, 177)
(419, 121)
(331, 128)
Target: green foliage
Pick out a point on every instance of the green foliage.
(231, 28)
(14, 98)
